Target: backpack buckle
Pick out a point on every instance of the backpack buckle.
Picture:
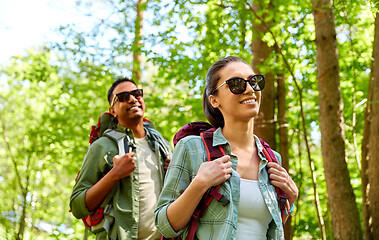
(218, 196)
(282, 201)
(224, 201)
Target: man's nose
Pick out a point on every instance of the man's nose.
(132, 99)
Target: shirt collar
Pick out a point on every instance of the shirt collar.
(129, 132)
(219, 139)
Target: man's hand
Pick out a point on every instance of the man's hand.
(166, 163)
(123, 166)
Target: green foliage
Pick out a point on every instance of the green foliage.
(50, 98)
(47, 116)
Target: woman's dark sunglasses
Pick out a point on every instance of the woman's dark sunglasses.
(237, 85)
(124, 96)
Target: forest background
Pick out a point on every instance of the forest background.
(320, 101)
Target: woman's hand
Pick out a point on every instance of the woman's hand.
(214, 172)
(279, 178)
(209, 174)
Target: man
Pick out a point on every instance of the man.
(135, 179)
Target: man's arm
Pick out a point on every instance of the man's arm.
(92, 186)
(122, 167)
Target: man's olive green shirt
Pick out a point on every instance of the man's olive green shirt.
(97, 163)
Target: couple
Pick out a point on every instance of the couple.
(231, 100)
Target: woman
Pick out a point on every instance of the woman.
(231, 100)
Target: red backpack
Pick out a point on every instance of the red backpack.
(205, 130)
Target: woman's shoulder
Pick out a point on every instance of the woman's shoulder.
(190, 140)
(191, 144)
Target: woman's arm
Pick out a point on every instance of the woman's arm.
(188, 177)
(210, 174)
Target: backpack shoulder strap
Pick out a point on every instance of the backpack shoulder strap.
(122, 140)
(270, 156)
(212, 152)
(163, 144)
(267, 150)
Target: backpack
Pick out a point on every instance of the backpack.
(205, 131)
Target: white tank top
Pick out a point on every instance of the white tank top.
(253, 214)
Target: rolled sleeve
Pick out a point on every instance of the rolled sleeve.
(97, 162)
(163, 224)
(78, 205)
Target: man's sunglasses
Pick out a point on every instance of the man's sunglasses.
(238, 85)
(124, 96)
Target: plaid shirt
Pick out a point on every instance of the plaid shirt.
(218, 222)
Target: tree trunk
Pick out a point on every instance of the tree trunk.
(264, 123)
(283, 139)
(373, 151)
(365, 140)
(364, 165)
(22, 223)
(345, 216)
(137, 44)
(19, 234)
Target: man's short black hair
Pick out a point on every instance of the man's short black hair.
(114, 85)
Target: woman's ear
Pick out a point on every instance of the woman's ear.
(213, 101)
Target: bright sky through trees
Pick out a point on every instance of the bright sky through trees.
(25, 24)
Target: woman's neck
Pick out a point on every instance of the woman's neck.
(239, 134)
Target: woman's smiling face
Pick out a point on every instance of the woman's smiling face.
(236, 107)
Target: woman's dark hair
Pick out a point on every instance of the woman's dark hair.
(214, 115)
(114, 85)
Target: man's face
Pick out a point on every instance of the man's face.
(129, 111)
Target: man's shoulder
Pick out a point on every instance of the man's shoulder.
(154, 133)
(104, 142)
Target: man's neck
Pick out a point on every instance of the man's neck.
(138, 131)
(136, 127)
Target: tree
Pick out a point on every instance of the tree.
(137, 44)
(373, 157)
(346, 224)
(47, 112)
(264, 123)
